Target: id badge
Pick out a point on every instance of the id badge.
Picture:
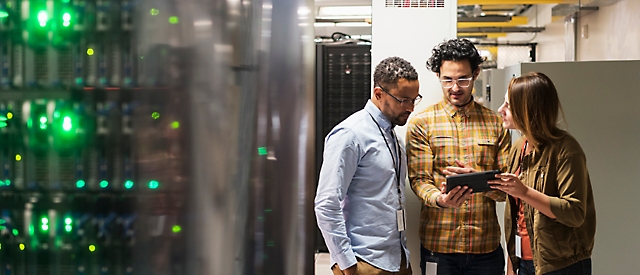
(431, 265)
(400, 218)
(518, 246)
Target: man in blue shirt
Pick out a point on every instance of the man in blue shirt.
(360, 202)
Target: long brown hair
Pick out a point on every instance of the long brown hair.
(535, 107)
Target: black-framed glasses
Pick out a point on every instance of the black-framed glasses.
(462, 82)
(404, 102)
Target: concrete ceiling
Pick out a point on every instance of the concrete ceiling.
(476, 18)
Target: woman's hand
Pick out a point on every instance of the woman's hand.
(510, 184)
(462, 168)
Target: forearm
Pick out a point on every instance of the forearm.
(538, 201)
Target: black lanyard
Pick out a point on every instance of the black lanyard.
(396, 166)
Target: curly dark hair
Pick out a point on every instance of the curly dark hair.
(392, 69)
(456, 49)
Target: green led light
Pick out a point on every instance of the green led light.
(2, 221)
(3, 14)
(68, 221)
(176, 229)
(92, 248)
(78, 80)
(45, 227)
(128, 184)
(43, 119)
(3, 124)
(65, 1)
(90, 52)
(66, 19)
(154, 184)
(104, 184)
(43, 17)
(15, 232)
(80, 183)
(154, 12)
(66, 123)
(67, 228)
(262, 151)
(173, 19)
(7, 182)
(155, 115)
(175, 125)
(45, 220)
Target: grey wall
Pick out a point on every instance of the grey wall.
(601, 102)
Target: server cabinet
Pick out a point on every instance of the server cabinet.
(343, 86)
(136, 139)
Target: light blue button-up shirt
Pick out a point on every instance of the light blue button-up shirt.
(357, 196)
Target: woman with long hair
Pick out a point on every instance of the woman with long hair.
(550, 218)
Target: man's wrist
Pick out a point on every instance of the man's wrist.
(438, 201)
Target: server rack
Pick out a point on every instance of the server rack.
(343, 86)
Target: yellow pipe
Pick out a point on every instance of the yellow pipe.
(489, 35)
(515, 21)
(514, 2)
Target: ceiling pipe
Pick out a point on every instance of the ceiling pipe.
(501, 29)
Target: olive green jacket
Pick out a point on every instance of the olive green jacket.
(558, 170)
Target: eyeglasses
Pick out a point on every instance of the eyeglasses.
(462, 82)
(404, 102)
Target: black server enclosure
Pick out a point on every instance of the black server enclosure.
(343, 86)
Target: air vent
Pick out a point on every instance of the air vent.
(414, 3)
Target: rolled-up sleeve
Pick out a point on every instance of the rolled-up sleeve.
(573, 185)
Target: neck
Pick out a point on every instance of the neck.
(463, 105)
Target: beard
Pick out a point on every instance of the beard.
(401, 119)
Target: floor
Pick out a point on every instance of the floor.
(322, 266)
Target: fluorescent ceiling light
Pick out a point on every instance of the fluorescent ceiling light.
(324, 24)
(353, 24)
(344, 11)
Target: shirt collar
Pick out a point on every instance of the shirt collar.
(453, 110)
(380, 118)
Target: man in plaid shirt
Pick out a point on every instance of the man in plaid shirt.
(459, 230)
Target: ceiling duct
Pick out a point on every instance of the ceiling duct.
(501, 29)
(562, 10)
(597, 3)
(486, 18)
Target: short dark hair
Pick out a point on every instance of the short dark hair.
(457, 49)
(392, 69)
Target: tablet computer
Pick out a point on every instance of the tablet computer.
(476, 181)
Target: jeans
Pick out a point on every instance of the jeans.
(491, 263)
(526, 268)
(580, 268)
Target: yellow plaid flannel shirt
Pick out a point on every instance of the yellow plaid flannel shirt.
(436, 137)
